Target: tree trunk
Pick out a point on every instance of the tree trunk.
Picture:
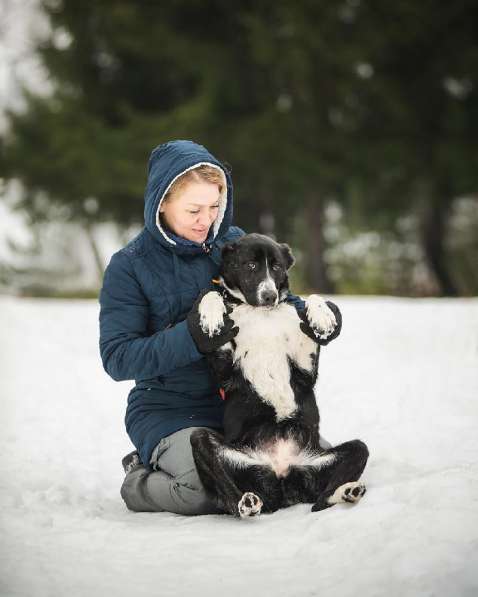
(434, 220)
(317, 277)
(100, 266)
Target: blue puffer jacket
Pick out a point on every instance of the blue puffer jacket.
(149, 287)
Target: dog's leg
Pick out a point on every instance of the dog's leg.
(214, 476)
(221, 363)
(217, 474)
(329, 478)
(343, 474)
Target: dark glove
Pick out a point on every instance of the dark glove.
(205, 343)
(315, 334)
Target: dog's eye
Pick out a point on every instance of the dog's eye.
(251, 265)
(276, 267)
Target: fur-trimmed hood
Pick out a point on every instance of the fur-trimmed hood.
(166, 163)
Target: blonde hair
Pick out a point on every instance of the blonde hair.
(202, 173)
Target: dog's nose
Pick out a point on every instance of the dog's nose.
(268, 297)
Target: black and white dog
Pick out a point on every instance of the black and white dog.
(270, 456)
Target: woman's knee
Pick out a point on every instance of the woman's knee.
(145, 491)
(190, 496)
(134, 492)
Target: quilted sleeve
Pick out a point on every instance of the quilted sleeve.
(127, 351)
(295, 301)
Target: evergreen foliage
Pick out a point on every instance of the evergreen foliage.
(370, 104)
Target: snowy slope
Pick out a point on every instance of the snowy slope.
(403, 377)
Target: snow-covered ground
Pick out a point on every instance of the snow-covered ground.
(403, 377)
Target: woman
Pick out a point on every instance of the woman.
(149, 288)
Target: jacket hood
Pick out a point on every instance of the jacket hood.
(166, 163)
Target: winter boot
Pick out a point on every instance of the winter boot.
(131, 461)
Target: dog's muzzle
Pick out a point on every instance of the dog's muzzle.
(268, 298)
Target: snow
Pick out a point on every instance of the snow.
(403, 377)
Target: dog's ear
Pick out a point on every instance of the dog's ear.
(289, 259)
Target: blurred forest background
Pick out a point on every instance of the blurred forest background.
(350, 127)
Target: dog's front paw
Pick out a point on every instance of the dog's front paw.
(320, 317)
(249, 505)
(211, 313)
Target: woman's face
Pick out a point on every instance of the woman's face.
(191, 213)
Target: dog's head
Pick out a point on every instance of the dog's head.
(254, 270)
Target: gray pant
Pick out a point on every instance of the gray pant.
(174, 484)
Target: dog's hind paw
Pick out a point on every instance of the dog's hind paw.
(249, 505)
(349, 492)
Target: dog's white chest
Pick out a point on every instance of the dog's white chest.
(267, 338)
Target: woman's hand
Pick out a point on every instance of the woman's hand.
(209, 323)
